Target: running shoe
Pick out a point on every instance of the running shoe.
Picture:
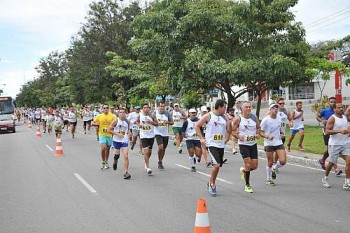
(160, 166)
(103, 165)
(274, 173)
(270, 182)
(149, 171)
(127, 176)
(346, 186)
(180, 150)
(224, 160)
(174, 143)
(322, 164)
(106, 165)
(132, 146)
(248, 189)
(212, 190)
(234, 151)
(242, 174)
(325, 182)
(72, 135)
(193, 169)
(338, 172)
(209, 164)
(84, 132)
(194, 160)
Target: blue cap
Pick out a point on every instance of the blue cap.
(137, 107)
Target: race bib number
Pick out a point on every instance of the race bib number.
(283, 124)
(177, 120)
(161, 124)
(146, 127)
(122, 132)
(218, 137)
(104, 130)
(250, 138)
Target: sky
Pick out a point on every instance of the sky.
(31, 29)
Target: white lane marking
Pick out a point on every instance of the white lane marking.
(204, 174)
(48, 147)
(89, 187)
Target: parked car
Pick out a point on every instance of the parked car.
(7, 123)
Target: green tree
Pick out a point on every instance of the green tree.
(207, 43)
(108, 28)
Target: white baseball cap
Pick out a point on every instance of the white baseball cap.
(204, 109)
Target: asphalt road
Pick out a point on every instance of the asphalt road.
(40, 192)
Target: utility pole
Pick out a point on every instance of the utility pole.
(335, 55)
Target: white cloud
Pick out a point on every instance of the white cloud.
(47, 18)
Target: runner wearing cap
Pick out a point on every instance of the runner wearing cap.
(178, 117)
(193, 143)
(272, 132)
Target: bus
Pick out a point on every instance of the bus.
(7, 105)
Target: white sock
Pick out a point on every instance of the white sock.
(268, 172)
(347, 181)
(278, 165)
(191, 161)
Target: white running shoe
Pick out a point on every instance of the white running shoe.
(325, 182)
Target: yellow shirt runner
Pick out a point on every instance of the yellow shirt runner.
(104, 121)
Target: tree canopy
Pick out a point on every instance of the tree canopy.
(126, 54)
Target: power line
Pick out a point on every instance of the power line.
(326, 19)
(324, 26)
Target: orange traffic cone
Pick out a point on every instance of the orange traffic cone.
(59, 149)
(29, 125)
(202, 224)
(38, 134)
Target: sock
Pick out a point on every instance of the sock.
(268, 172)
(277, 165)
(246, 177)
(191, 161)
(347, 181)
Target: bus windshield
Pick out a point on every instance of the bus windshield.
(6, 105)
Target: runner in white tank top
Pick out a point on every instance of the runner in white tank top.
(297, 126)
(246, 128)
(146, 123)
(119, 128)
(217, 129)
(162, 131)
(339, 143)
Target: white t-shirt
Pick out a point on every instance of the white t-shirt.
(272, 127)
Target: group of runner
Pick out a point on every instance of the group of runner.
(206, 133)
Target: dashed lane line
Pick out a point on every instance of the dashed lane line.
(86, 184)
(48, 147)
